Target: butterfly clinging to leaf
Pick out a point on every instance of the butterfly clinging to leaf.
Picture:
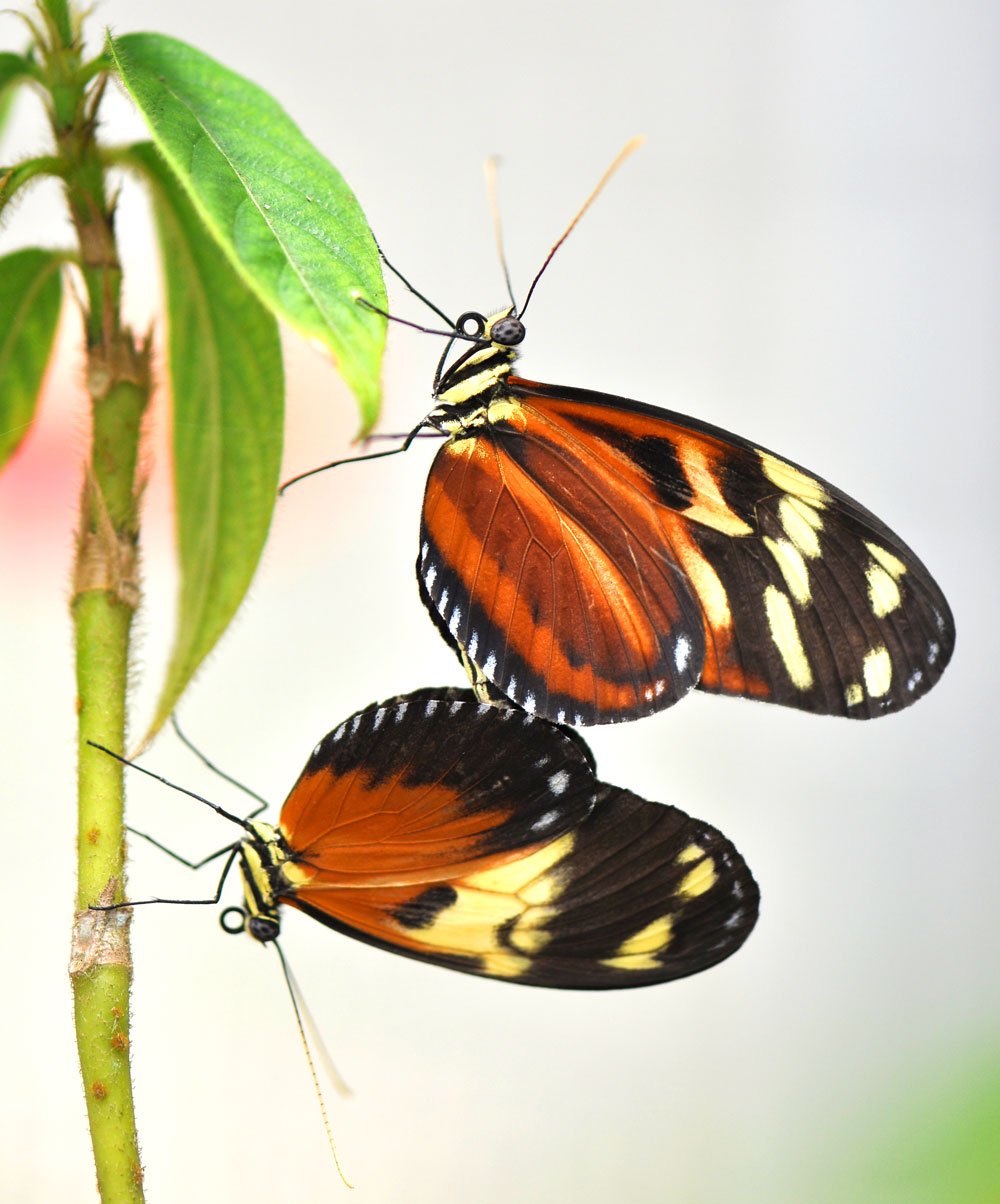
(593, 558)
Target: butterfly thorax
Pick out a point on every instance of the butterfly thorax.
(265, 863)
(466, 389)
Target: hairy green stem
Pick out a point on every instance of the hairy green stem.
(105, 595)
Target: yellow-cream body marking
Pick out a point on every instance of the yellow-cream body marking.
(479, 382)
(785, 634)
(877, 671)
(252, 864)
(506, 409)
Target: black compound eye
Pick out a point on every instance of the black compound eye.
(508, 332)
(261, 928)
(471, 324)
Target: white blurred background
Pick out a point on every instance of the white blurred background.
(805, 252)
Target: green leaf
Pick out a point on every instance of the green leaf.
(62, 23)
(13, 179)
(227, 385)
(282, 213)
(30, 298)
(14, 69)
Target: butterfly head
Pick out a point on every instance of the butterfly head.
(267, 872)
(504, 329)
(473, 377)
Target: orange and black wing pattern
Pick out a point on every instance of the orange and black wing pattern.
(477, 837)
(593, 559)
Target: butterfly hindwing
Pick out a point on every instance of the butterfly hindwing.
(593, 887)
(690, 557)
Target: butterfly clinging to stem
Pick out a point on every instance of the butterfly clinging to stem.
(479, 838)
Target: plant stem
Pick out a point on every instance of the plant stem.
(105, 595)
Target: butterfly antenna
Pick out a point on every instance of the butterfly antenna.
(444, 334)
(490, 170)
(416, 292)
(236, 819)
(295, 996)
(623, 154)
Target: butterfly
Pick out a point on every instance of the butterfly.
(478, 837)
(593, 558)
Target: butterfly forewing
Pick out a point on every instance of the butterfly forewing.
(556, 581)
(426, 784)
(577, 884)
(604, 555)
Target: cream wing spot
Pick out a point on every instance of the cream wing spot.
(515, 876)
(636, 952)
(504, 964)
(526, 938)
(854, 695)
(793, 568)
(801, 522)
(792, 480)
(883, 592)
(504, 906)
(709, 507)
(700, 879)
(877, 672)
(786, 638)
(892, 564)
